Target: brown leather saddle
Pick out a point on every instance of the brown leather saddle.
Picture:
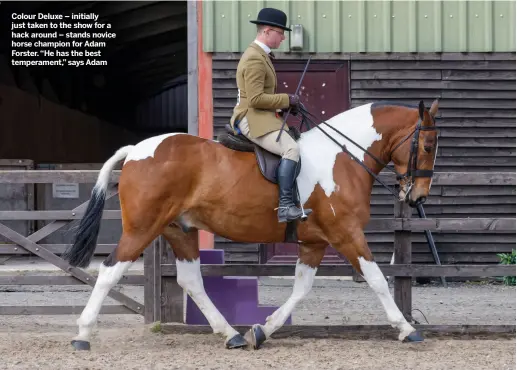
(268, 164)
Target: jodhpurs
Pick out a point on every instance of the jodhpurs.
(286, 147)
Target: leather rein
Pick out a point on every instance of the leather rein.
(412, 172)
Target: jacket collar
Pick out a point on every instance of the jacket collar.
(264, 47)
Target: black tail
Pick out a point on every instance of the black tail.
(80, 253)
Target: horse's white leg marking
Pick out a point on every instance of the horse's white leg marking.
(318, 153)
(373, 275)
(190, 279)
(147, 147)
(108, 277)
(304, 278)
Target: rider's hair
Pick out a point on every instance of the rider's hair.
(260, 27)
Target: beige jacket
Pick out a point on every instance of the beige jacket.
(257, 98)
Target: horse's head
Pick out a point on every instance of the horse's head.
(416, 155)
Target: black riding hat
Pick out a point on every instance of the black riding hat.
(272, 17)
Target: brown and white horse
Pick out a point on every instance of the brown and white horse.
(176, 184)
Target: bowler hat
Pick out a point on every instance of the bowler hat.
(272, 17)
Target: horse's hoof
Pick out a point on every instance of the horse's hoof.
(81, 345)
(414, 337)
(257, 336)
(237, 341)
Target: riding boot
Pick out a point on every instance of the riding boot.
(287, 210)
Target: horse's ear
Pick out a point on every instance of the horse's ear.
(421, 109)
(434, 107)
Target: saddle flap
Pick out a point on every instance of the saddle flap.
(268, 164)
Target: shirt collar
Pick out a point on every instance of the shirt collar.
(263, 46)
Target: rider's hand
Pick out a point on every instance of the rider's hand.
(294, 100)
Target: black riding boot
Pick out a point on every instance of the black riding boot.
(287, 210)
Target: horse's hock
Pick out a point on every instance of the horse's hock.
(164, 299)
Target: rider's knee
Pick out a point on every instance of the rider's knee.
(292, 152)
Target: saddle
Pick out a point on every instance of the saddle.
(268, 164)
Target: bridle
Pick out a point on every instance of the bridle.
(412, 172)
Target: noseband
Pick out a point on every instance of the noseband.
(412, 172)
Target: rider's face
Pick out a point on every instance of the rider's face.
(275, 36)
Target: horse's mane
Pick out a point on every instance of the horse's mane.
(387, 103)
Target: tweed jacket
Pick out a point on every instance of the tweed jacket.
(257, 99)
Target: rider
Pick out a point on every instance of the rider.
(256, 114)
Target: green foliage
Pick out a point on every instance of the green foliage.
(156, 327)
(508, 259)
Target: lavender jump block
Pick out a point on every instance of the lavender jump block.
(236, 297)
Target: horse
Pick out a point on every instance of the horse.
(176, 184)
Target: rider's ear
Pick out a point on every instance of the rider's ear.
(421, 109)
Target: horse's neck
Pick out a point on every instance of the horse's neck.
(358, 125)
(319, 152)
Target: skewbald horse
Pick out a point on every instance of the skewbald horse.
(176, 184)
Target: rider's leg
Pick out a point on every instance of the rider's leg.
(288, 149)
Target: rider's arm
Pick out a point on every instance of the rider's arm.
(254, 75)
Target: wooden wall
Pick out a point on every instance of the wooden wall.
(477, 133)
(477, 106)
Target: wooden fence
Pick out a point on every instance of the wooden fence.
(164, 299)
(167, 304)
(30, 245)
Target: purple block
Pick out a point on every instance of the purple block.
(236, 297)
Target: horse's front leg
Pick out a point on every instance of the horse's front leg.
(310, 257)
(355, 248)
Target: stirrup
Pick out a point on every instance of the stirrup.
(302, 217)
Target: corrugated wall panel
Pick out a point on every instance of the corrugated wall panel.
(165, 111)
(477, 128)
(370, 26)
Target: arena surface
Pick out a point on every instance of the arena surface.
(124, 342)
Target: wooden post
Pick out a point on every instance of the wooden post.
(172, 298)
(193, 127)
(162, 295)
(402, 246)
(152, 282)
(206, 240)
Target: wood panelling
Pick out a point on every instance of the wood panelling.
(477, 133)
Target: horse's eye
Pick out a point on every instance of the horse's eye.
(429, 145)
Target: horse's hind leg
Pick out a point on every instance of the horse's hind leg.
(186, 251)
(356, 250)
(306, 267)
(110, 272)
